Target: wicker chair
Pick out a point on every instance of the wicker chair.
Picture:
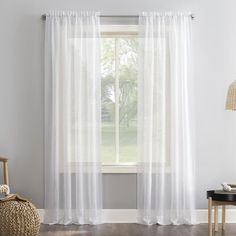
(18, 216)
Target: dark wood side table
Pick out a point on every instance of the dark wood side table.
(218, 198)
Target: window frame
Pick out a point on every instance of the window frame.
(108, 31)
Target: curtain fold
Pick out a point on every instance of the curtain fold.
(165, 122)
(72, 118)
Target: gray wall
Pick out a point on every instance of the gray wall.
(21, 91)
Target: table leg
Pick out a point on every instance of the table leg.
(223, 217)
(209, 216)
(216, 218)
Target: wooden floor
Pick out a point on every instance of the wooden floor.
(133, 230)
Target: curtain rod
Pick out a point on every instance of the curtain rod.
(130, 16)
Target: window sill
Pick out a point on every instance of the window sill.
(119, 169)
(128, 168)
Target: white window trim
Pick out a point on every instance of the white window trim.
(131, 168)
(118, 31)
(119, 168)
(110, 30)
(126, 168)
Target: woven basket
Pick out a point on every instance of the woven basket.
(18, 217)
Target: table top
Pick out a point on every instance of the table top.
(218, 195)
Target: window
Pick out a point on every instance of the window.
(119, 85)
(119, 100)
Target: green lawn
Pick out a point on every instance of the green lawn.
(128, 143)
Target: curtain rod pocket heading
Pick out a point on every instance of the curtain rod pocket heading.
(168, 13)
(71, 13)
(87, 13)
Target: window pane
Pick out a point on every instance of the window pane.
(128, 99)
(108, 100)
(119, 100)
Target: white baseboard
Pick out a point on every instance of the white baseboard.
(129, 215)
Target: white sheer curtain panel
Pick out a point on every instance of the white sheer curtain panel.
(166, 167)
(72, 119)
